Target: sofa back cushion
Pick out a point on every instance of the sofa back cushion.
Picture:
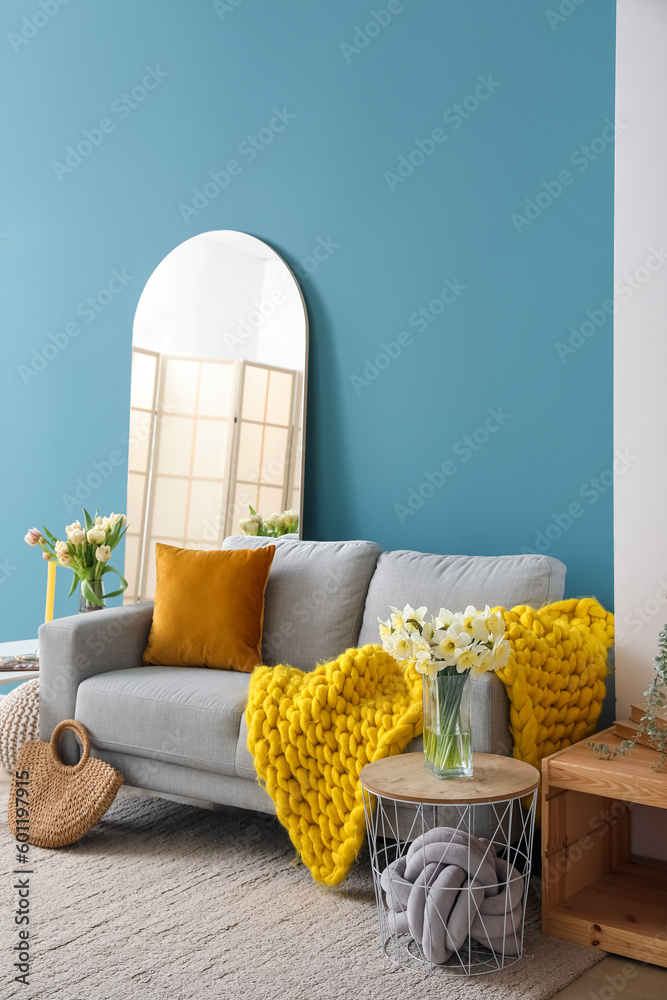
(403, 577)
(314, 599)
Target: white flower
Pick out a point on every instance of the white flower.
(500, 655)
(275, 521)
(428, 631)
(45, 555)
(429, 667)
(479, 629)
(115, 518)
(103, 554)
(249, 526)
(98, 519)
(74, 526)
(461, 632)
(452, 644)
(444, 619)
(402, 648)
(483, 661)
(291, 518)
(467, 660)
(385, 630)
(413, 618)
(65, 559)
(62, 549)
(76, 535)
(97, 534)
(424, 662)
(496, 626)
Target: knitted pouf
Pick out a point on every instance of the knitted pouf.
(19, 721)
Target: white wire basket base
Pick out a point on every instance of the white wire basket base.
(448, 901)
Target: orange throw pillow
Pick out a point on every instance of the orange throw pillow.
(209, 607)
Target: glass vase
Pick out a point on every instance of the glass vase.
(447, 733)
(85, 603)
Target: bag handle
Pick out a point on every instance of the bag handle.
(81, 732)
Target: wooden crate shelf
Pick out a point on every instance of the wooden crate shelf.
(593, 891)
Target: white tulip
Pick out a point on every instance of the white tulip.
(97, 534)
(62, 549)
(103, 554)
(65, 559)
(249, 526)
(115, 518)
(76, 536)
(74, 526)
(98, 519)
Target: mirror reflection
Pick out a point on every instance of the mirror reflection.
(217, 406)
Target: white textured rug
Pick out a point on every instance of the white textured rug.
(162, 900)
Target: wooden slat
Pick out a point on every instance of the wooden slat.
(629, 778)
(625, 913)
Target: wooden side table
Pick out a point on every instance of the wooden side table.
(447, 900)
(594, 892)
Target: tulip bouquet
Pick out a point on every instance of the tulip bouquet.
(446, 650)
(87, 552)
(272, 527)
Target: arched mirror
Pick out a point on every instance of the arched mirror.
(217, 407)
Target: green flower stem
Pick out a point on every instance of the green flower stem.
(447, 749)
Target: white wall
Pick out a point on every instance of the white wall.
(640, 361)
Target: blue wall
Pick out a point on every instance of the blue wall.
(403, 209)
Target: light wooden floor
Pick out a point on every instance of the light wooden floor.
(612, 979)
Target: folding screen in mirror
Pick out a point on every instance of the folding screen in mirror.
(217, 408)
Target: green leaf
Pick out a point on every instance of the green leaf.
(45, 531)
(89, 519)
(75, 581)
(90, 594)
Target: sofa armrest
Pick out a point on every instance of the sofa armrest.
(72, 649)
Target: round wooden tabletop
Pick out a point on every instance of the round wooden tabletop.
(405, 779)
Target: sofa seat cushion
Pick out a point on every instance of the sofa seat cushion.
(183, 715)
(314, 599)
(403, 577)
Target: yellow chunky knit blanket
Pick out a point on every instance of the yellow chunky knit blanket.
(311, 733)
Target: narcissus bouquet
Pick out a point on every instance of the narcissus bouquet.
(87, 552)
(270, 527)
(446, 649)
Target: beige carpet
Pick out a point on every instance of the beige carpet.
(162, 900)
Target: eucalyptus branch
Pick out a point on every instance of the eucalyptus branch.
(656, 698)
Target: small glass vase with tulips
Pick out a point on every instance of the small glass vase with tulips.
(86, 552)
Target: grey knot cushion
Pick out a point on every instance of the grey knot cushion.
(451, 886)
(19, 721)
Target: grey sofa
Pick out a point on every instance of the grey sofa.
(181, 732)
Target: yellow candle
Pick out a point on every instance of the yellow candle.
(50, 591)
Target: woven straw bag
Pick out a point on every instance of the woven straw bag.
(63, 801)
